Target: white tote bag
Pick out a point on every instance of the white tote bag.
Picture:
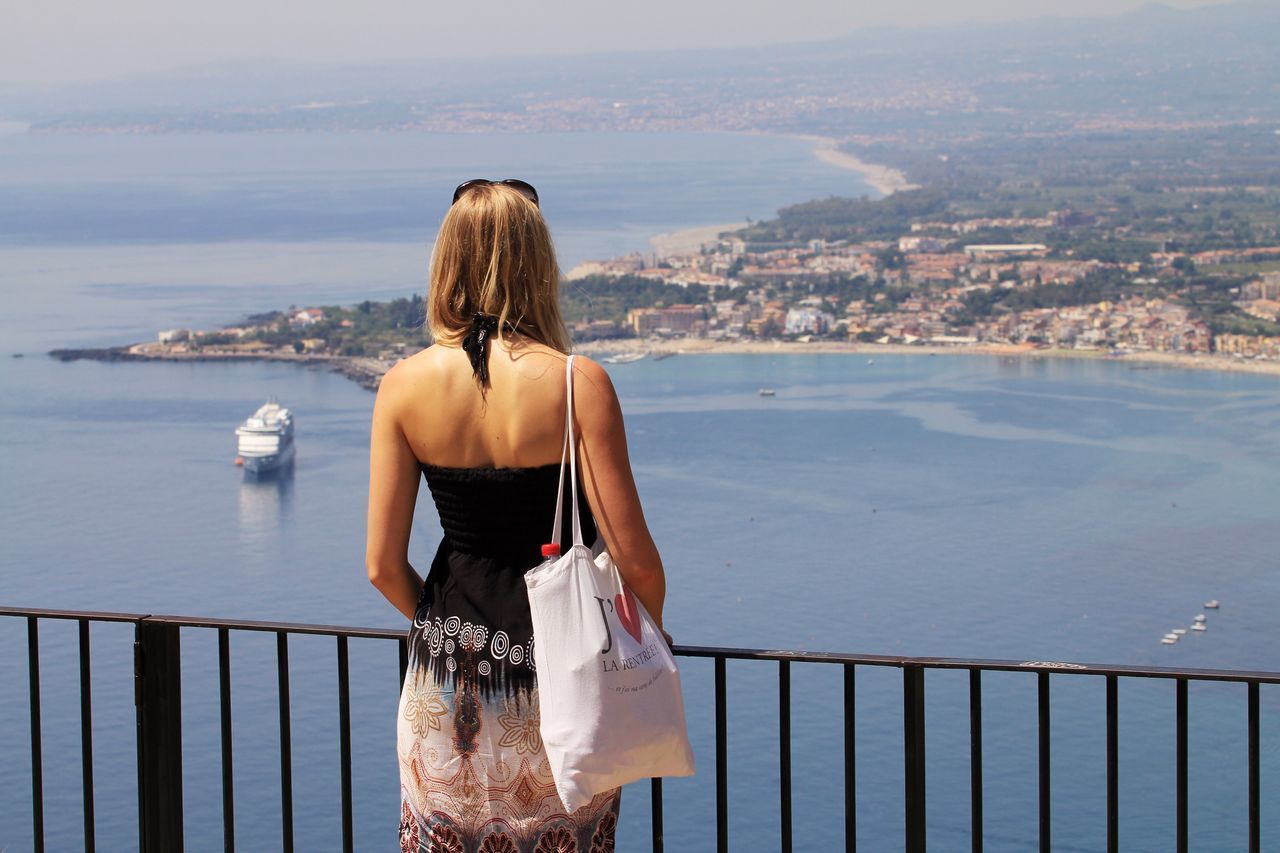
(608, 686)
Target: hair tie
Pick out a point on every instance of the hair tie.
(476, 344)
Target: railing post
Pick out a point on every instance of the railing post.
(1046, 815)
(722, 759)
(37, 752)
(158, 674)
(913, 754)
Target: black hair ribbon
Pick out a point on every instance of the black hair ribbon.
(476, 344)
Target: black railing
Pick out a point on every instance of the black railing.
(157, 697)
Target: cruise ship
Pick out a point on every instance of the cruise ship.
(266, 439)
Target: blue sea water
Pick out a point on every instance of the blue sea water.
(950, 506)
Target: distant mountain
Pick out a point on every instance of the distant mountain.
(1155, 64)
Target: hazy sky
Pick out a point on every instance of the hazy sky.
(53, 41)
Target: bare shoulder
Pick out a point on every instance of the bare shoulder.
(409, 374)
(594, 378)
(594, 395)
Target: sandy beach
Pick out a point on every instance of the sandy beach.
(701, 346)
(688, 241)
(882, 179)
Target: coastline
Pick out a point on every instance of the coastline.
(684, 241)
(368, 372)
(365, 372)
(1146, 360)
(688, 241)
(883, 179)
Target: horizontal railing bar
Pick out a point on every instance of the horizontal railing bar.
(277, 627)
(92, 615)
(988, 665)
(210, 622)
(1055, 667)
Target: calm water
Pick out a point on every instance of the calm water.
(105, 239)
(923, 505)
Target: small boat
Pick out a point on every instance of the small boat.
(1211, 604)
(1198, 618)
(625, 357)
(1179, 631)
(1168, 640)
(871, 361)
(1171, 636)
(1199, 626)
(768, 392)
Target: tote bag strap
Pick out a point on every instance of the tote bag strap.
(568, 453)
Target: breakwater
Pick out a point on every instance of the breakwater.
(367, 372)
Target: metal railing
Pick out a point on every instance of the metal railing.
(157, 696)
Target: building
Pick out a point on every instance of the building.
(988, 251)
(676, 319)
(807, 321)
(306, 317)
(1269, 286)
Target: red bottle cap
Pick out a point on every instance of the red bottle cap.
(551, 550)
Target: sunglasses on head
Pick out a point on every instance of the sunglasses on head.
(525, 189)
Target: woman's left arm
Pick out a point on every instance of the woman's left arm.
(393, 492)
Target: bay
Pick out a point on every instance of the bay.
(106, 239)
(953, 506)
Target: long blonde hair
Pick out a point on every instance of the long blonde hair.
(494, 256)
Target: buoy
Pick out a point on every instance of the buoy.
(239, 460)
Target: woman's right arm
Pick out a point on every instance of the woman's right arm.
(393, 492)
(611, 488)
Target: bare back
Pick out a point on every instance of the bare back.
(517, 422)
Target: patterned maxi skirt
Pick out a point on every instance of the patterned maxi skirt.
(474, 777)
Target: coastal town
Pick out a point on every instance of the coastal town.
(925, 288)
(1065, 282)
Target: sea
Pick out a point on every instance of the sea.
(956, 506)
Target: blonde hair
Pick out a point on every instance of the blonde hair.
(494, 256)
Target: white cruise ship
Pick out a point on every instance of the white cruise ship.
(266, 439)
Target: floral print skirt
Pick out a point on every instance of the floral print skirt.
(474, 777)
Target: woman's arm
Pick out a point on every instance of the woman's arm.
(611, 488)
(393, 491)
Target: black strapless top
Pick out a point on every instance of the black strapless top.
(472, 621)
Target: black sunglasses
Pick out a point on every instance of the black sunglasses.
(525, 189)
